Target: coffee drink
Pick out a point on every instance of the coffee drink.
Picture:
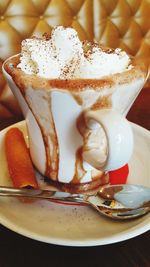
(62, 85)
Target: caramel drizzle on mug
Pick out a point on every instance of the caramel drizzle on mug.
(52, 155)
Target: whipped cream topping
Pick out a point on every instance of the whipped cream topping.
(64, 56)
(98, 63)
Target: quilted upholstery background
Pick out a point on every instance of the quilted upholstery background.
(115, 23)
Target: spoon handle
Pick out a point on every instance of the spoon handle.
(41, 194)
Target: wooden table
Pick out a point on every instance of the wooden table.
(16, 250)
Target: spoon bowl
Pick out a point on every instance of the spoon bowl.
(114, 201)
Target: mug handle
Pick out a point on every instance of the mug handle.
(107, 139)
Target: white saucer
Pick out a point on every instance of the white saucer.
(75, 225)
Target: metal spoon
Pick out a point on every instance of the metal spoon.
(114, 201)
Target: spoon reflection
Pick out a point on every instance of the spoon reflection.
(114, 201)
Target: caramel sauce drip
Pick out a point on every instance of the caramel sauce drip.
(103, 102)
(79, 171)
(52, 156)
(53, 167)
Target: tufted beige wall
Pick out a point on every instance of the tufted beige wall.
(114, 23)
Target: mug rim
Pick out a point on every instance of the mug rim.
(138, 71)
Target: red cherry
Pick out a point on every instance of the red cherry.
(119, 176)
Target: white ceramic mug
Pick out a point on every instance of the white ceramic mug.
(77, 129)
